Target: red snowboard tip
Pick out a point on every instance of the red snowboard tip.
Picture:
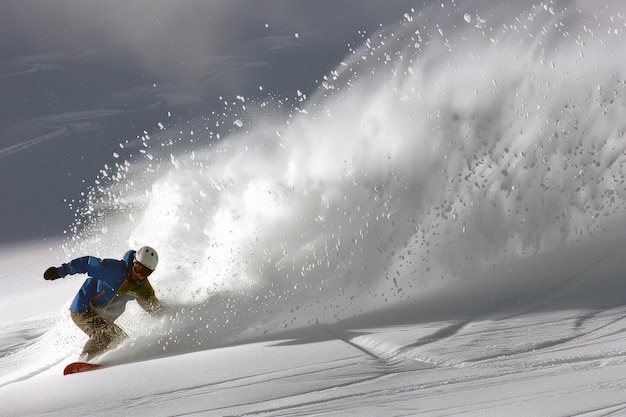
(74, 367)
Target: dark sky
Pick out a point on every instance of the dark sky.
(78, 77)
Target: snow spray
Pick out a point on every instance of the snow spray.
(462, 139)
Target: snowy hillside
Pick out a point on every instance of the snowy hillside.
(436, 228)
(560, 353)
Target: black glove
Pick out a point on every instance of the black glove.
(51, 273)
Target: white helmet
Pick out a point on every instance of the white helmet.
(148, 257)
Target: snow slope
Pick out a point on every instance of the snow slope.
(554, 354)
(436, 231)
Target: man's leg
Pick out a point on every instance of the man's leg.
(103, 335)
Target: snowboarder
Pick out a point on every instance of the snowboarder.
(103, 296)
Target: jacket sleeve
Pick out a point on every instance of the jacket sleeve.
(84, 265)
(152, 305)
(148, 301)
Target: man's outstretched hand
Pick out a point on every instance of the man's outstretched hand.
(51, 274)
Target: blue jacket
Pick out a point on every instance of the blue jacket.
(107, 290)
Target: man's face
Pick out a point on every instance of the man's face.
(139, 272)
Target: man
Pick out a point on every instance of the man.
(103, 296)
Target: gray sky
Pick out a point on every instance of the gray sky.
(78, 77)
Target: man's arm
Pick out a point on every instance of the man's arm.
(147, 300)
(152, 305)
(82, 265)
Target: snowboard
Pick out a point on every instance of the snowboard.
(75, 367)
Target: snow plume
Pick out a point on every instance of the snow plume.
(459, 141)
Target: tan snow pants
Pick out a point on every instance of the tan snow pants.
(103, 334)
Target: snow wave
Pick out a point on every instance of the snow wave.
(459, 141)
